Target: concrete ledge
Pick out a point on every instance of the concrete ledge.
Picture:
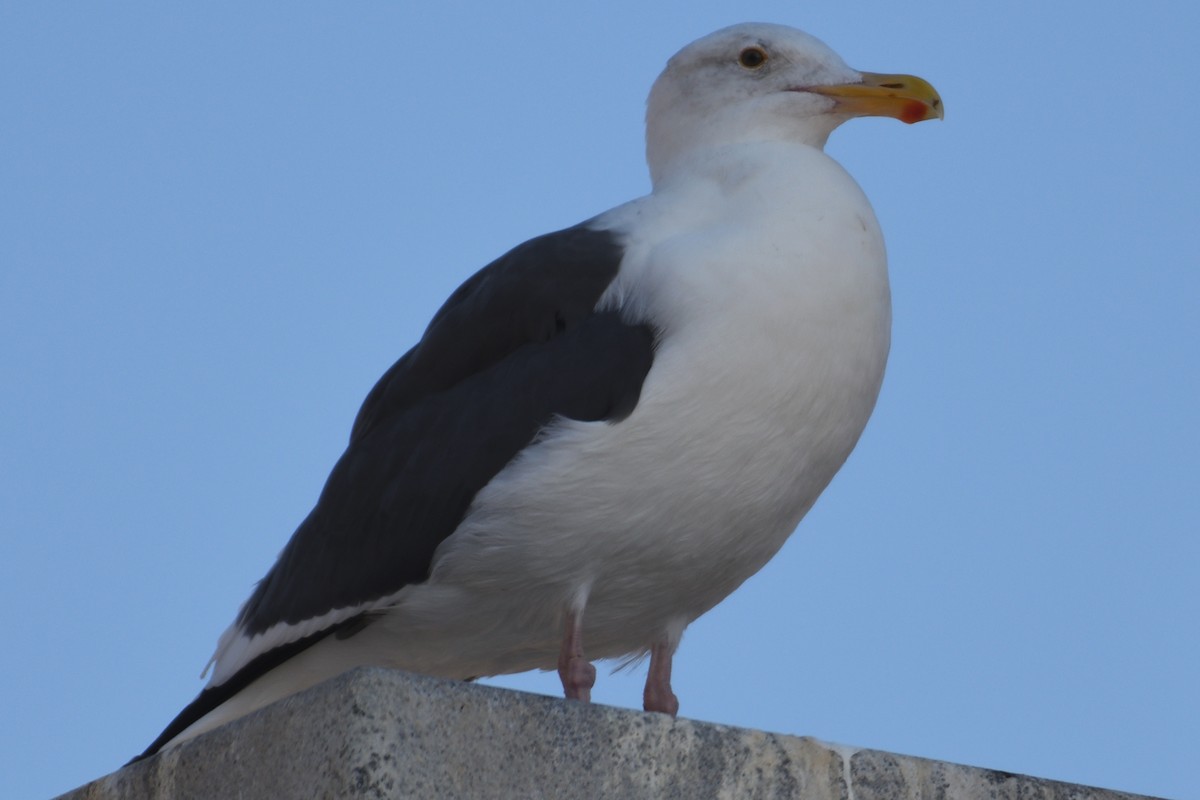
(376, 733)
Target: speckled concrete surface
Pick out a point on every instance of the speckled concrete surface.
(375, 733)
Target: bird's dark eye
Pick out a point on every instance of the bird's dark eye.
(752, 57)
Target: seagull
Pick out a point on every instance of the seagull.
(605, 431)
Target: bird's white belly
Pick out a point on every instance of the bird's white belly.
(700, 507)
(657, 518)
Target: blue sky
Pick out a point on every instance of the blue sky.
(219, 225)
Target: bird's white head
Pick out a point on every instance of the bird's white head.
(763, 82)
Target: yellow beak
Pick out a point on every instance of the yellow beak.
(905, 97)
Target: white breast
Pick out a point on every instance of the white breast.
(768, 281)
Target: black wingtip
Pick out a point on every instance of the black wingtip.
(205, 702)
(214, 696)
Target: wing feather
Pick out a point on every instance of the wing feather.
(518, 344)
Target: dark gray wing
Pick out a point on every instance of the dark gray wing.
(514, 346)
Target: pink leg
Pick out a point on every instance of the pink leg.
(578, 676)
(658, 695)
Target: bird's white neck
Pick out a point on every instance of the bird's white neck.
(680, 142)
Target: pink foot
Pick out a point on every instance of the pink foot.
(577, 674)
(658, 695)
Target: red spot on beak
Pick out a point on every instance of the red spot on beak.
(913, 111)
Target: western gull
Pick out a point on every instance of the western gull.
(608, 429)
